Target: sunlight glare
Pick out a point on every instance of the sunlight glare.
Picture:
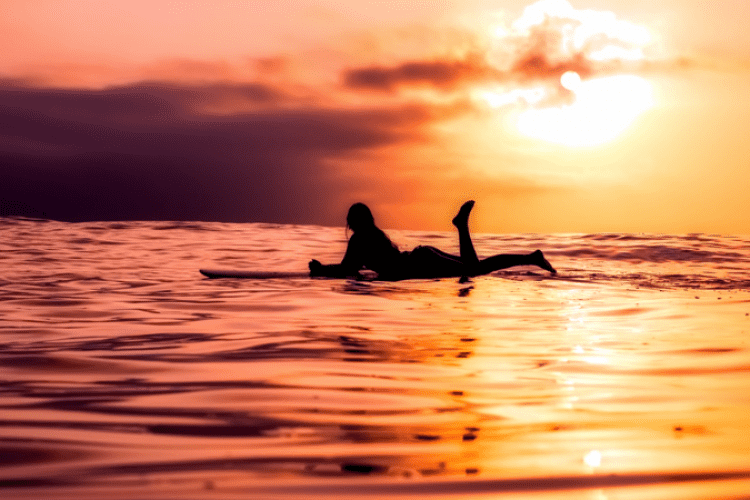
(603, 109)
(611, 52)
(577, 109)
(497, 99)
(585, 29)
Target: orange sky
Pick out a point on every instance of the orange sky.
(288, 111)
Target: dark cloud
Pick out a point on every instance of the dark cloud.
(142, 101)
(449, 75)
(152, 151)
(534, 64)
(443, 74)
(537, 65)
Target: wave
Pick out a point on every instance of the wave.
(688, 261)
(654, 253)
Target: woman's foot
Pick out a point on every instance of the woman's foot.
(462, 218)
(539, 260)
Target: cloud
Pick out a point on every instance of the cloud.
(534, 64)
(445, 74)
(160, 151)
(540, 59)
(550, 38)
(226, 152)
(261, 142)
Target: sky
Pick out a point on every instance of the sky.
(556, 115)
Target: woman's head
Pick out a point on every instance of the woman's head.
(359, 218)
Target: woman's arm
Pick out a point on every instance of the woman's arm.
(328, 270)
(350, 264)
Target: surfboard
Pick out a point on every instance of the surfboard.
(253, 275)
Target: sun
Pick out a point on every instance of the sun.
(583, 95)
(570, 80)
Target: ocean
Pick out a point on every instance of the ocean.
(124, 373)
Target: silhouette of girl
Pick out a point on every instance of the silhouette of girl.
(370, 248)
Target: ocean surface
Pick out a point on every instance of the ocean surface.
(124, 373)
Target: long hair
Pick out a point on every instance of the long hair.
(360, 219)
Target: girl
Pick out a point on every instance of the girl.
(370, 248)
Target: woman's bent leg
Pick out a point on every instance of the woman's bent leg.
(461, 221)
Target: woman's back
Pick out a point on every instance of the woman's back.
(373, 250)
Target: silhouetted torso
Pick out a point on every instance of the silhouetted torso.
(372, 250)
